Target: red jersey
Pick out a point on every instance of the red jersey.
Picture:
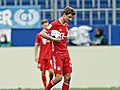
(45, 47)
(60, 47)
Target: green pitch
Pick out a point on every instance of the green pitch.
(70, 89)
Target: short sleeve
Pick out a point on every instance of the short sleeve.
(37, 40)
(51, 27)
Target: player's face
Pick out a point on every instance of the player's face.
(68, 17)
(97, 32)
(45, 25)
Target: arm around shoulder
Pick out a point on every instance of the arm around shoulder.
(45, 34)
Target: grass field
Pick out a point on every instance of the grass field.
(70, 89)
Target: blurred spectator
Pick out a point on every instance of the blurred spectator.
(99, 38)
(73, 34)
(79, 36)
(3, 41)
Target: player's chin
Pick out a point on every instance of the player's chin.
(68, 21)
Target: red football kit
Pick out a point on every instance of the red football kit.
(61, 54)
(44, 60)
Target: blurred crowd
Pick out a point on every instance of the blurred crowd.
(80, 36)
(4, 41)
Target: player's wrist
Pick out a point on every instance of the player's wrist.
(52, 39)
(56, 40)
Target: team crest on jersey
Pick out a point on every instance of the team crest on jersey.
(60, 29)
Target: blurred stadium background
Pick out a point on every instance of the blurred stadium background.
(95, 13)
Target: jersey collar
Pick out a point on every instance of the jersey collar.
(61, 21)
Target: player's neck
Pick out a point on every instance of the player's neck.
(62, 21)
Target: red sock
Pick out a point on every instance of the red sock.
(65, 86)
(44, 80)
(50, 85)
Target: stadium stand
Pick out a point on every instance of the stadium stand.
(88, 12)
(99, 9)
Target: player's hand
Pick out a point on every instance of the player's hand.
(56, 39)
(36, 59)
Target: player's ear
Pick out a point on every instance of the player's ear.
(64, 14)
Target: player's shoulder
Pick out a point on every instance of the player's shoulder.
(67, 25)
(38, 35)
(52, 24)
(56, 22)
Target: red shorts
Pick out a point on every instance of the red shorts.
(45, 64)
(62, 65)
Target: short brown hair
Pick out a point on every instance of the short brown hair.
(69, 10)
(44, 21)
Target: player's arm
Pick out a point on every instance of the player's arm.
(44, 34)
(37, 40)
(36, 51)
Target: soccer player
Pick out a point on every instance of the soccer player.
(44, 60)
(61, 54)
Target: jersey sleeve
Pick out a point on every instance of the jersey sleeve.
(51, 27)
(37, 40)
(68, 26)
